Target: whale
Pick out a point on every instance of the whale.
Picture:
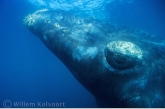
(120, 66)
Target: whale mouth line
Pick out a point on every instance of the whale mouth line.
(134, 97)
(127, 100)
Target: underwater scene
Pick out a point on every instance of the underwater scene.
(82, 53)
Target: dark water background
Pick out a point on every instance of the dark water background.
(30, 73)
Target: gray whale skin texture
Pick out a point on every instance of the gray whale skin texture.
(121, 67)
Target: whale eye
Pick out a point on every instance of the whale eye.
(122, 55)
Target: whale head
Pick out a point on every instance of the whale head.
(120, 66)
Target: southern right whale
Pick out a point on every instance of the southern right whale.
(120, 66)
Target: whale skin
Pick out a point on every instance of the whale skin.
(120, 66)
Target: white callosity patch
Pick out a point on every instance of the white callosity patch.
(92, 52)
(31, 18)
(81, 29)
(81, 52)
(125, 48)
(88, 27)
(76, 56)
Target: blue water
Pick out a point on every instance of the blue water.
(30, 73)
